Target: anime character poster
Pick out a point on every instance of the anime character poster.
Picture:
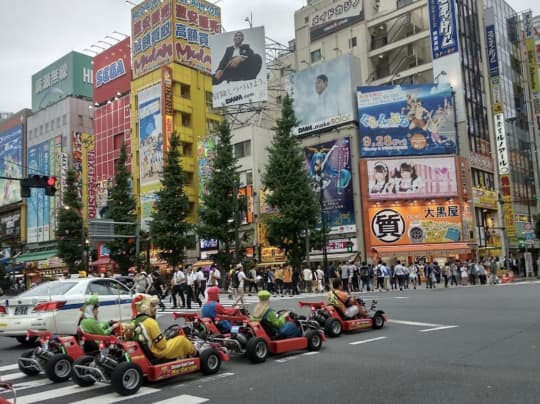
(402, 120)
(329, 167)
(38, 205)
(411, 178)
(10, 165)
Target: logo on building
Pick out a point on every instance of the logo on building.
(388, 225)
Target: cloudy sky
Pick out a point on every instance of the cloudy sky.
(35, 33)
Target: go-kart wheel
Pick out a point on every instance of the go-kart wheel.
(332, 326)
(23, 340)
(257, 350)
(126, 378)
(83, 381)
(25, 367)
(210, 361)
(58, 368)
(378, 321)
(314, 340)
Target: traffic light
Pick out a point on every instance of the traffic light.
(349, 246)
(38, 181)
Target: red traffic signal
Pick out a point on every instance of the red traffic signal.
(51, 181)
(38, 181)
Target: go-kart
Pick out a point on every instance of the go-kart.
(54, 356)
(10, 389)
(205, 326)
(124, 364)
(334, 322)
(256, 341)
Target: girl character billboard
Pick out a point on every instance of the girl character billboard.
(380, 184)
(406, 179)
(323, 172)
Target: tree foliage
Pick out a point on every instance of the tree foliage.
(169, 228)
(220, 201)
(122, 209)
(289, 190)
(70, 234)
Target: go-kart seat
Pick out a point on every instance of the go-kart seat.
(339, 311)
(270, 330)
(150, 356)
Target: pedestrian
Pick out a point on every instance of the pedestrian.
(242, 279)
(493, 272)
(278, 280)
(178, 283)
(413, 274)
(142, 282)
(454, 273)
(399, 272)
(307, 276)
(482, 274)
(158, 287)
(253, 284)
(364, 277)
(464, 274)
(320, 279)
(380, 270)
(192, 287)
(446, 273)
(344, 271)
(214, 276)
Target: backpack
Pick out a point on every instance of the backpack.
(235, 281)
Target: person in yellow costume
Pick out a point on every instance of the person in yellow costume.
(149, 333)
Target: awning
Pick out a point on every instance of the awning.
(423, 249)
(333, 257)
(102, 261)
(199, 264)
(36, 256)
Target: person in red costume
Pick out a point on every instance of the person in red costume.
(212, 308)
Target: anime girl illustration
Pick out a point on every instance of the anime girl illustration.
(406, 179)
(323, 173)
(381, 183)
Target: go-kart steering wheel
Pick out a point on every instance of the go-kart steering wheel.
(171, 331)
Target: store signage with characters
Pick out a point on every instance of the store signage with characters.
(415, 224)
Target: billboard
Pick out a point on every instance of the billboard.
(329, 168)
(206, 152)
(239, 71)
(443, 27)
(70, 75)
(112, 71)
(333, 18)
(501, 144)
(412, 178)
(10, 225)
(414, 224)
(11, 165)
(39, 206)
(493, 58)
(402, 120)
(150, 146)
(323, 95)
(173, 31)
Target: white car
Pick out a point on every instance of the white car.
(55, 306)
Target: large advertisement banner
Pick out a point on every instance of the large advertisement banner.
(333, 18)
(10, 165)
(238, 66)
(329, 167)
(323, 94)
(38, 205)
(150, 146)
(412, 178)
(401, 120)
(414, 224)
(206, 151)
(442, 22)
(112, 71)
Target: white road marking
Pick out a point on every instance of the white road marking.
(13, 376)
(310, 353)
(184, 399)
(444, 327)
(63, 391)
(416, 323)
(9, 367)
(29, 383)
(366, 341)
(115, 397)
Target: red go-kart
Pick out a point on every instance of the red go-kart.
(10, 389)
(334, 322)
(124, 364)
(54, 356)
(205, 326)
(256, 342)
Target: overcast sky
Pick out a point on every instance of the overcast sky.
(35, 33)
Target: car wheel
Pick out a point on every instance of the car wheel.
(23, 340)
(378, 321)
(210, 361)
(332, 326)
(83, 380)
(126, 378)
(27, 368)
(257, 350)
(314, 340)
(58, 368)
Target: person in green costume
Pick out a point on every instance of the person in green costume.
(89, 318)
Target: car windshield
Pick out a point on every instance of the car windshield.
(49, 289)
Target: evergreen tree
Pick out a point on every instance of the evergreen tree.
(71, 235)
(169, 228)
(288, 181)
(220, 205)
(122, 209)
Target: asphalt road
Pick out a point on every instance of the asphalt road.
(463, 345)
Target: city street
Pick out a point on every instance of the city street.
(462, 345)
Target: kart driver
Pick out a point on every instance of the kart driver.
(267, 316)
(148, 332)
(212, 307)
(89, 318)
(345, 303)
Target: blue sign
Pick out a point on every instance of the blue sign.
(406, 120)
(493, 58)
(443, 27)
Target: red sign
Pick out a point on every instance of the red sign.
(112, 72)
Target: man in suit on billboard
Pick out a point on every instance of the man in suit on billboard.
(238, 63)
